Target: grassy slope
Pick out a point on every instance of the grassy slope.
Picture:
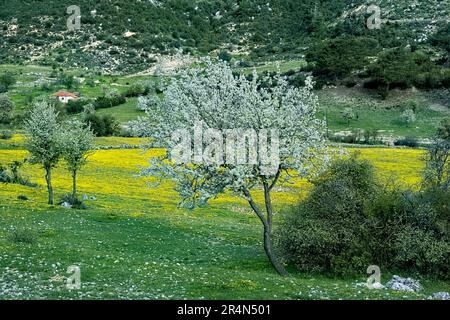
(373, 112)
(125, 112)
(28, 85)
(382, 115)
(133, 242)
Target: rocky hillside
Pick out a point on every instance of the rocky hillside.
(128, 36)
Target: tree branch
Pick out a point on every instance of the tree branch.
(254, 206)
(275, 179)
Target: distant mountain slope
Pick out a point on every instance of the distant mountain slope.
(124, 36)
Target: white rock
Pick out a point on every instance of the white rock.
(441, 295)
(377, 285)
(66, 205)
(404, 284)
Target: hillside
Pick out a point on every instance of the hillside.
(128, 36)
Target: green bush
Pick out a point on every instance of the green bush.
(350, 221)
(76, 106)
(326, 232)
(224, 56)
(109, 102)
(73, 201)
(135, 90)
(7, 80)
(6, 109)
(19, 235)
(102, 126)
(5, 135)
(11, 174)
(420, 251)
(407, 142)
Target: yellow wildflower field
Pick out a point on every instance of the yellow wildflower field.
(114, 174)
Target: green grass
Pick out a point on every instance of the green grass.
(387, 122)
(124, 112)
(376, 114)
(27, 87)
(134, 243)
(159, 256)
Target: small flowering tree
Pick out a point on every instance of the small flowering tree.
(348, 114)
(77, 143)
(43, 140)
(408, 117)
(213, 98)
(437, 169)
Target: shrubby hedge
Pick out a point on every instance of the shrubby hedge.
(104, 102)
(350, 221)
(105, 125)
(76, 106)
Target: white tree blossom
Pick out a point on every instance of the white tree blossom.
(148, 102)
(77, 143)
(43, 140)
(408, 116)
(213, 95)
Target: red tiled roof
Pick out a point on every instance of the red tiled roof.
(65, 94)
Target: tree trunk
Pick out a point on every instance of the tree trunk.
(74, 184)
(48, 179)
(267, 224)
(268, 231)
(268, 249)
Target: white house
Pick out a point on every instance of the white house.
(65, 96)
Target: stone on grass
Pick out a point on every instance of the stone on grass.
(441, 295)
(398, 283)
(66, 205)
(377, 285)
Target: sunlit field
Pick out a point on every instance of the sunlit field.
(134, 242)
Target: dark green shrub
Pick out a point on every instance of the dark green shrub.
(7, 79)
(19, 235)
(349, 221)
(421, 251)
(73, 201)
(326, 232)
(371, 136)
(407, 142)
(224, 56)
(11, 174)
(22, 197)
(109, 102)
(76, 106)
(135, 90)
(6, 109)
(102, 125)
(5, 135)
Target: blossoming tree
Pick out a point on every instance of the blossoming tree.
(44, 140)
(77, 143)
(212, 95)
